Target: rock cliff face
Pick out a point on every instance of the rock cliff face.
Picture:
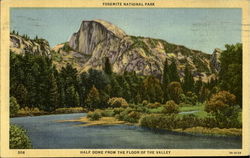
(91, 33)
(214, 60)
(99, 39)
(20, 45)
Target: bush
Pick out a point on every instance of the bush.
(170, 108)
(66, 47)
(118, 110)
(30, 111)
(94, 115)
(129, 115)
(222, 106)
(185, 105)
(140, 108)
(18, 138)
(220, 101)
(117, 102)
(159, 121)
(70, 110)
(14, 106)
(154, 105)
(175, 91)
(107, 113)
(188, 121)
(190, 98)
(144, 102)
(209, 122)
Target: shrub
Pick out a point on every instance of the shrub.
(209, 122)
(133, 117)
(184, 105)
(14, 106)
(129, 115)
(188, 121)
(140, 108)
(66, 47)
(154, 105)
(222, 106)
(118, 110)
(107, 113)
(117, 102)
(190, 98)
(18, 138)
(175, 91)
(124, 113)
(30, 111)
(144, 102)
(94, 115)
(220, 101)
(159, 121)
(170, 108)
(70, 110)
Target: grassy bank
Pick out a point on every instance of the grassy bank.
(211, 131)
(36, 112)
(102, 121)
(192, 131)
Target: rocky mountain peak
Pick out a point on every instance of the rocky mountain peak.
(112, 28)
(215, 59)
(22, 44)
(91, 33)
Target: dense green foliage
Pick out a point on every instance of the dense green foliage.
(151, 101)
(14, 107)
(223, 107)
(165, 80)
(231, 71)
(170, 108)
(117, 102)
(188, 83)
(18, 138)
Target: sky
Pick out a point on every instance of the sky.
(200, 29)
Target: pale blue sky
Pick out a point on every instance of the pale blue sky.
(201, 29)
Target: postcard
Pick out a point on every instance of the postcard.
(124, 78)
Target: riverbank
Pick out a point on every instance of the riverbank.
(36, 112)
(102, 121)
(235, 132)
(211, 131)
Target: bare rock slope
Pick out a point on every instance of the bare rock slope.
(23, 44)
(98, 39)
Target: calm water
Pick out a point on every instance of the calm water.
(45, 133)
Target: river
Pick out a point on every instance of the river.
(46, 133)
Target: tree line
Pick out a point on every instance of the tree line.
(35, 82)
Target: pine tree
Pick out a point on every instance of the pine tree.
(165, 80)
(93, 98)
(197, 86)
(53, 94)
(152, 90)
(188, 84)
(230, 74)
(173, 75)
(21, 94)
(126, 91)
(32, 91)
(71, 96)
(107, 67)
(204, 94)
(116, 90)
